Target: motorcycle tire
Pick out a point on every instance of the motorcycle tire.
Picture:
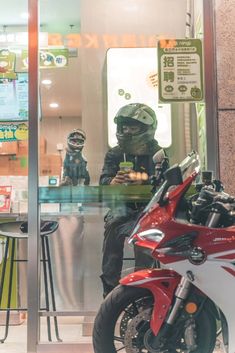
(118, 301)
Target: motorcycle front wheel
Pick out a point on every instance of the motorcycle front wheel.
(123, 325)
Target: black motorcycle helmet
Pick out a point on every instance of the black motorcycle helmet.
(136, 114)
(76, 139)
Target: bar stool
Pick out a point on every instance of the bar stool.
(16, 231)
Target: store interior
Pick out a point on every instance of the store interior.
(102, 40)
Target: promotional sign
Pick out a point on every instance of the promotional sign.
(14, 80)
(14, 98)
(49, 59)
(180, 70)
(53, 58)
(13, 132)
(5, 198)
(7, 64)
(20, 39)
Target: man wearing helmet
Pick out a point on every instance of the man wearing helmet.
(136, 126)
(75, 165)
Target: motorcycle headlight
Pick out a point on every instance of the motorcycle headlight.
(135, 230)
(152, 234)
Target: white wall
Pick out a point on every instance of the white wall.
(56, 129)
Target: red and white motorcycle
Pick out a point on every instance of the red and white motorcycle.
(185, 304)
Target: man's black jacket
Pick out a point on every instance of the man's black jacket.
(142, 163)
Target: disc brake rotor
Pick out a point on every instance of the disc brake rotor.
(136, 328)
(132, 311)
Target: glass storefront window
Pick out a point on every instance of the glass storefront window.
(91, 64)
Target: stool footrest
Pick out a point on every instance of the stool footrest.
(13, 231)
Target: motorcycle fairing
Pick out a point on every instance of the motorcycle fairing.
(162, 284)
(216, 279)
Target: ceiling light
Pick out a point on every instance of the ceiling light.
(25, 15)
(46, 82)
(54, 105)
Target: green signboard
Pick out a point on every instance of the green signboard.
(11, 64)
(49, 59)
(13, 132)
(180, 70)
(7, 64)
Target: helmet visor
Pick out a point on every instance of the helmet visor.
(76, 140)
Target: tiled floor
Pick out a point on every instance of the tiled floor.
(70, 330)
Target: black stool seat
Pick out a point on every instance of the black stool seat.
(19, 229)
(16, 231)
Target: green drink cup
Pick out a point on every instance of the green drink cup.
(126, 166)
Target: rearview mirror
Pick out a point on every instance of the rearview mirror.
(173, 176)
(159, 156)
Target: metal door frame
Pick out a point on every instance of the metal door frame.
(33, 178)
(33, 327)
(211, 95)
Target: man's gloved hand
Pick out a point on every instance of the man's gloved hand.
(119, 178)
(131, 178)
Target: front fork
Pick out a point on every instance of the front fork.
(181, 294)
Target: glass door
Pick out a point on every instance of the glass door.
(86, 62)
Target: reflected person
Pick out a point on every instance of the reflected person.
(75, 170)
(130, 163)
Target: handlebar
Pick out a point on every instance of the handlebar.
(210, 205)
(224, 198)
(160, 168)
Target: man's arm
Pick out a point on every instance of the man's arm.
(110, 168)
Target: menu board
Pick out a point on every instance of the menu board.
(14, 98)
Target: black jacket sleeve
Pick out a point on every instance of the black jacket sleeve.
(110, 168)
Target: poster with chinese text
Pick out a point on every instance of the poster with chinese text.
(180, 70)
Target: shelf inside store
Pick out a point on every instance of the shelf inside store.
(90, 194)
